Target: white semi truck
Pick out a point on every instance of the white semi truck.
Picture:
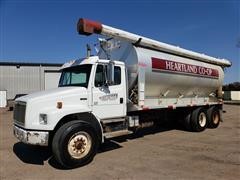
(133, 82)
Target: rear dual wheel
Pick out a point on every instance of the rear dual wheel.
(199, 119)
(213, 115)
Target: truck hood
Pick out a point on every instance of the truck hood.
(72, 99)
(59, 93)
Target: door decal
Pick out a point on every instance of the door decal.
(109, 97)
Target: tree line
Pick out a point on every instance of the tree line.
(235, 86)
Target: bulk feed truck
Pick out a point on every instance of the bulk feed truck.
(132, 83)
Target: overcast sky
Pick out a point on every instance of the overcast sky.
(45, 31)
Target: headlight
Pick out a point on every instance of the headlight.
(43, 118)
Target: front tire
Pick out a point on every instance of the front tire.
(75, 144)
(199, 119)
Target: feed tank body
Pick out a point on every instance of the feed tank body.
(164, 74)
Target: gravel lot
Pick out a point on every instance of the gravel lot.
(168, 154)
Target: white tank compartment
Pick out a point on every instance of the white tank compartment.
(159, 81)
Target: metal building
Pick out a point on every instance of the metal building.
(24, 78)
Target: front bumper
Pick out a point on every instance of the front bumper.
(31, 137)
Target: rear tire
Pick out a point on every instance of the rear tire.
(74, 144)
(187, 122)
(213, 117)
(199, 119)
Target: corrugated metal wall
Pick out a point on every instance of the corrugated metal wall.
(22, 80)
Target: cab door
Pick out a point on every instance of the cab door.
(109, 101)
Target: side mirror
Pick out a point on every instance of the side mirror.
(110, 72)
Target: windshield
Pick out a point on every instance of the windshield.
(75, 76)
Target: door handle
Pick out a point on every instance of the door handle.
(121, 100)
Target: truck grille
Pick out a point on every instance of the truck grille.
(19, 112)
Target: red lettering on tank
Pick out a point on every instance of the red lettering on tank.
(178, 67)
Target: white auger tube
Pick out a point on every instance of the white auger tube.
(88, 27)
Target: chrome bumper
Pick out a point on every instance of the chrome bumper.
(31, 137)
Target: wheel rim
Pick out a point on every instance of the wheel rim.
(215, 118)
(79, 145)
(202, 119)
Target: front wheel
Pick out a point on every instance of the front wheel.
(74, 144)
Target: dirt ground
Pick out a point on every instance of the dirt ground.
(171, 153)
